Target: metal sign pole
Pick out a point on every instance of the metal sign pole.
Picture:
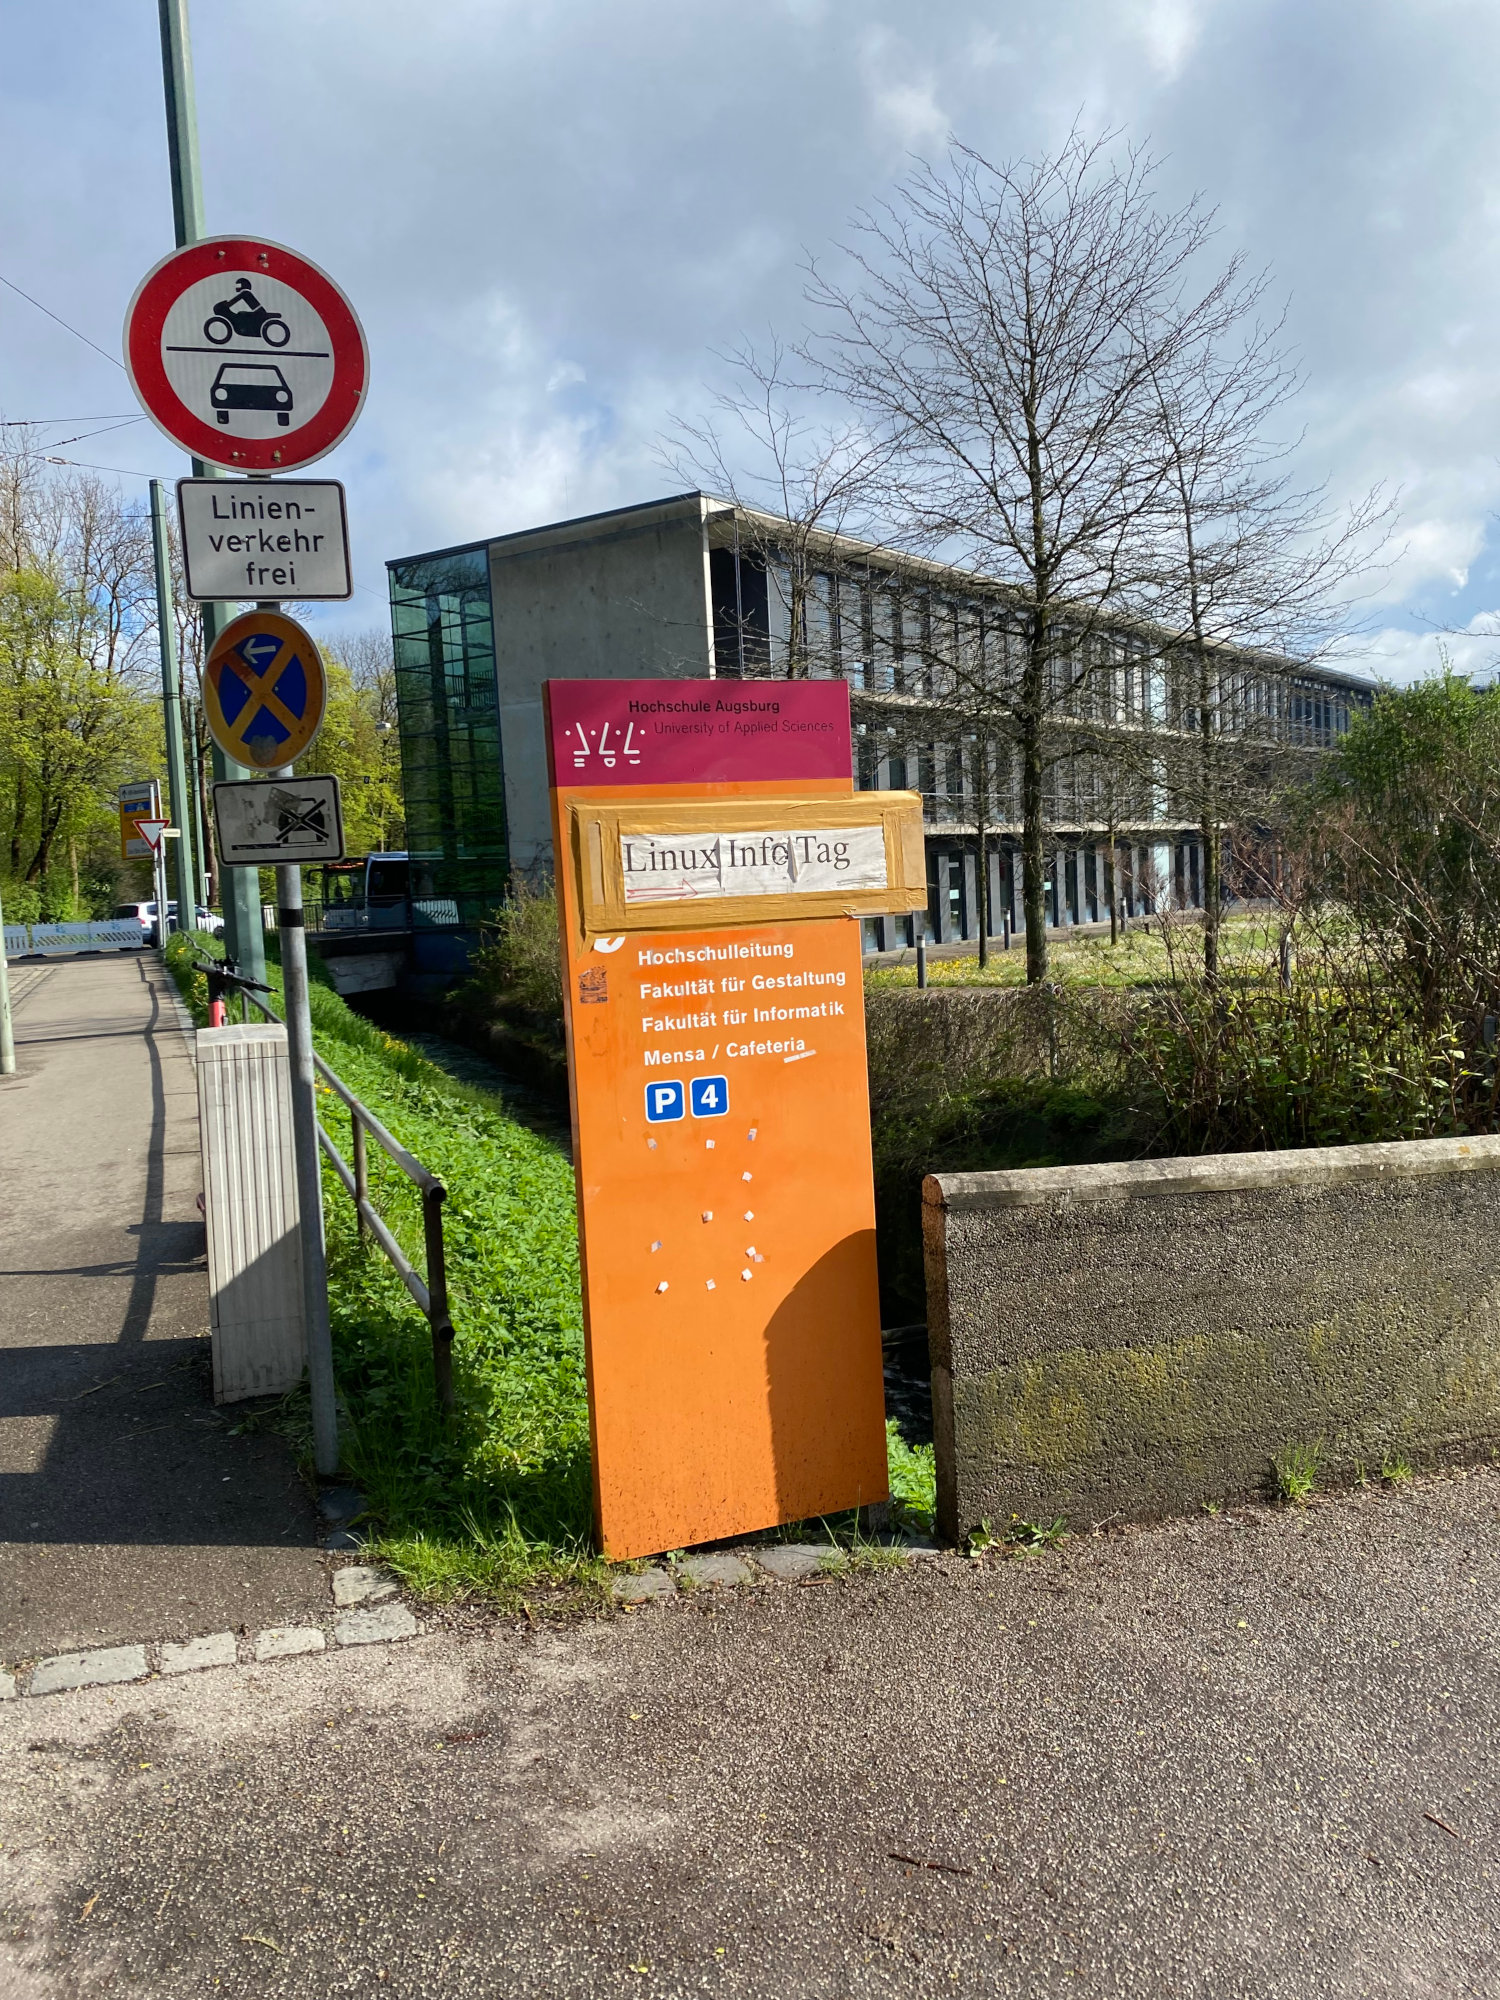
(159, 890)
(244, 939)
(7, 1033)
(297, 1006)
(309, 1175)
(166, 628)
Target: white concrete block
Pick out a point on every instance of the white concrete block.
(361, 1585)
(8, 1689)
(643, 1585)
(368, 1628)
(715, 1569)
(792, 1561)
(279, 1642)
(81, 1670)
(217, 1650)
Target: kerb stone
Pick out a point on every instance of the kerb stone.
(280, 1642)
(8, 1689)
(82, 1670)
(361, 1585)
(217, 1650)
(700, 1570)
(368, 1628)
(793, 1562)
(642, 1587)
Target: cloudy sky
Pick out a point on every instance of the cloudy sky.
(550, 217)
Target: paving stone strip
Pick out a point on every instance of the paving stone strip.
(783, 1562)
(365, 1615)
(368, 1613)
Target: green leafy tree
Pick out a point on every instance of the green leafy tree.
(359, 744)
(70, 728)
(1407, 829)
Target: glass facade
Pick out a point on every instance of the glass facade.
(444, 638)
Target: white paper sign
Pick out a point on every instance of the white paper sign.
(683, 867)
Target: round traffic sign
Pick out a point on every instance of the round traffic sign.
(246, 354)
(264, 690)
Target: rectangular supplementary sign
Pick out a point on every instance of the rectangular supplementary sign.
(138, 801)
(720, 1109)
(274, 820)
(728, 860)
(264, 538)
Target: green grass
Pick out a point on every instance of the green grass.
(495, 1504)
(1142, 960)
(1294, 1473)
(913, 1476)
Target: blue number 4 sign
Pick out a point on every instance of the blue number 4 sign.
(664, 1101)
(710, 1096)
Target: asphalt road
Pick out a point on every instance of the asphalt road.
(1248, 1756)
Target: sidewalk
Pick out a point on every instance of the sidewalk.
(128, 1511)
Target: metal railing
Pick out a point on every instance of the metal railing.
(431, 1294)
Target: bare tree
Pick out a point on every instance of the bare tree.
(1000, 339)
(1253, 580)
(799, 486)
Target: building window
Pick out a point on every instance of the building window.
(448, 706)
(958, 907)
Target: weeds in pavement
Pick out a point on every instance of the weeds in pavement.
(1395, 1470)
(1294, 1473)
(1029, 1538)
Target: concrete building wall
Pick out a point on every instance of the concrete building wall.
(619, 597)
(1132, 1340)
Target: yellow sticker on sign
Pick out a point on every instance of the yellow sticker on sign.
(264, 690)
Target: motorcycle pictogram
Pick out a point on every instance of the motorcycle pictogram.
(246, 316)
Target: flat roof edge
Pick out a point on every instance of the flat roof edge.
(558, 529)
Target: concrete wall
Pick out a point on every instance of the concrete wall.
(616, 597)
(1132, 1340)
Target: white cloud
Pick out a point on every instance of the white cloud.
(550, 217)
(1168, 30)
(1402, 655)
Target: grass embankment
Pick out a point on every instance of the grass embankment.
(495, 1503)
(1150, 955)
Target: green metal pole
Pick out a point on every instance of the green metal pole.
(166, 628)
(7, 1035)
(244, 936)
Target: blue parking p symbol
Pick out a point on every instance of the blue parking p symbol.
(710, 1096)
(664, 1101)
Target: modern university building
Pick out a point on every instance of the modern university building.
(694, 587)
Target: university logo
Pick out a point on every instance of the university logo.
(612, 745)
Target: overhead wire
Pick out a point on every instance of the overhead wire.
(20, 423)
(13, 287)
(79, 436)
(82, 464)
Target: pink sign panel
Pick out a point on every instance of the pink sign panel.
(697, 732)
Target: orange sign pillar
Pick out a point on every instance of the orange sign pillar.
(721, 1130)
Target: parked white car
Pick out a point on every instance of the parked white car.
(145, 915)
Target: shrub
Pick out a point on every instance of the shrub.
(519, 965)
(1223, 1073)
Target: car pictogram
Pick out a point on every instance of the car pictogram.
(251, 385)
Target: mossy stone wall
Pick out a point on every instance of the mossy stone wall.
(1133, 1340)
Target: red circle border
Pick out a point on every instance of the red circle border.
(159, 291)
